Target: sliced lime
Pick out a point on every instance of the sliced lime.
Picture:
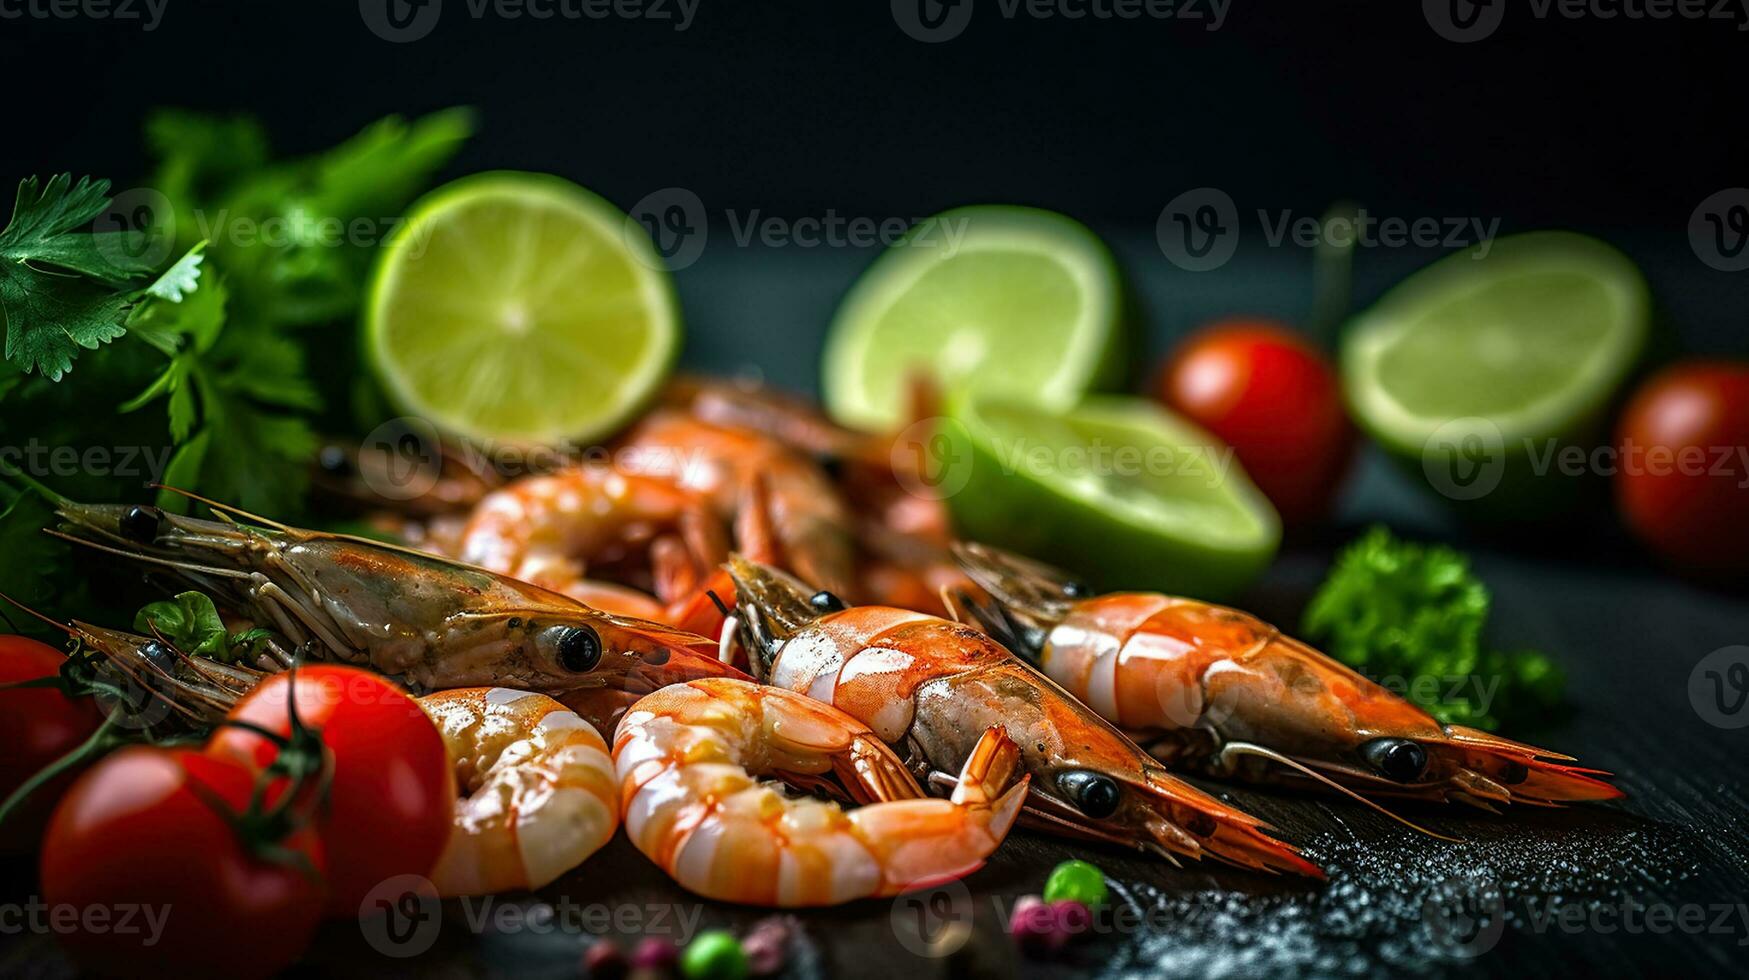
(1119, 490)
(991, 299)
(521, 307)
(1529, 335)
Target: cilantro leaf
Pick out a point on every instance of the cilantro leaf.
(62, 290)
(1401, 612)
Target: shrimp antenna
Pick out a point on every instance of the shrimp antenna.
(223, 509)
(1250, 748)
(718, 602)
(63, 627)
(186, 566)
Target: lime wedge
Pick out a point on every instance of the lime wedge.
(1119, 490)
(1521, 338)
(521, 307)
(991, 299)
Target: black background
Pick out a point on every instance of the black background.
(796, 107)
(793, 109)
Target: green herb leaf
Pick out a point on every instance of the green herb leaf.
(190, 622)
(59, 288)
(1398, 612)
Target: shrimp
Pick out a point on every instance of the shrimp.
(689, 758)
(433, 623)
(931, 686)
(538, 792)
(810, 522)
(1219, 688)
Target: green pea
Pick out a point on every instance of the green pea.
(1076, 881)
(714, 955)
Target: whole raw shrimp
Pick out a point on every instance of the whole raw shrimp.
(1218, 688)
(538, 791)
(432, 622)
(932, 686)
(689, 759)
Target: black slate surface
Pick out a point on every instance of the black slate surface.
(1529, 892)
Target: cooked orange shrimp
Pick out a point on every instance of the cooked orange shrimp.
(538, 793)
(810, 523)
(689, 758)
(1219, 688)
(932, 686)
(546, 529)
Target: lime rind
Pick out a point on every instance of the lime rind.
(1586, 387)
(471, 384)
(858, 344)
(1201, 530)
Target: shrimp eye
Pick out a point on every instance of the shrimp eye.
(1396, 759)
(1076, 590)
(1094, 794)
(141, 523)
(579, 649)
(825, 602)
(158, 655)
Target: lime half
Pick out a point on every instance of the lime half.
(991, 299)
(1518, 339)
(1119, 490)
(521, 307)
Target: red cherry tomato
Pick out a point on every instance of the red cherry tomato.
(1682, 480)
(1275, 399)
(158, 879)
(37, 726)
(392, 798)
